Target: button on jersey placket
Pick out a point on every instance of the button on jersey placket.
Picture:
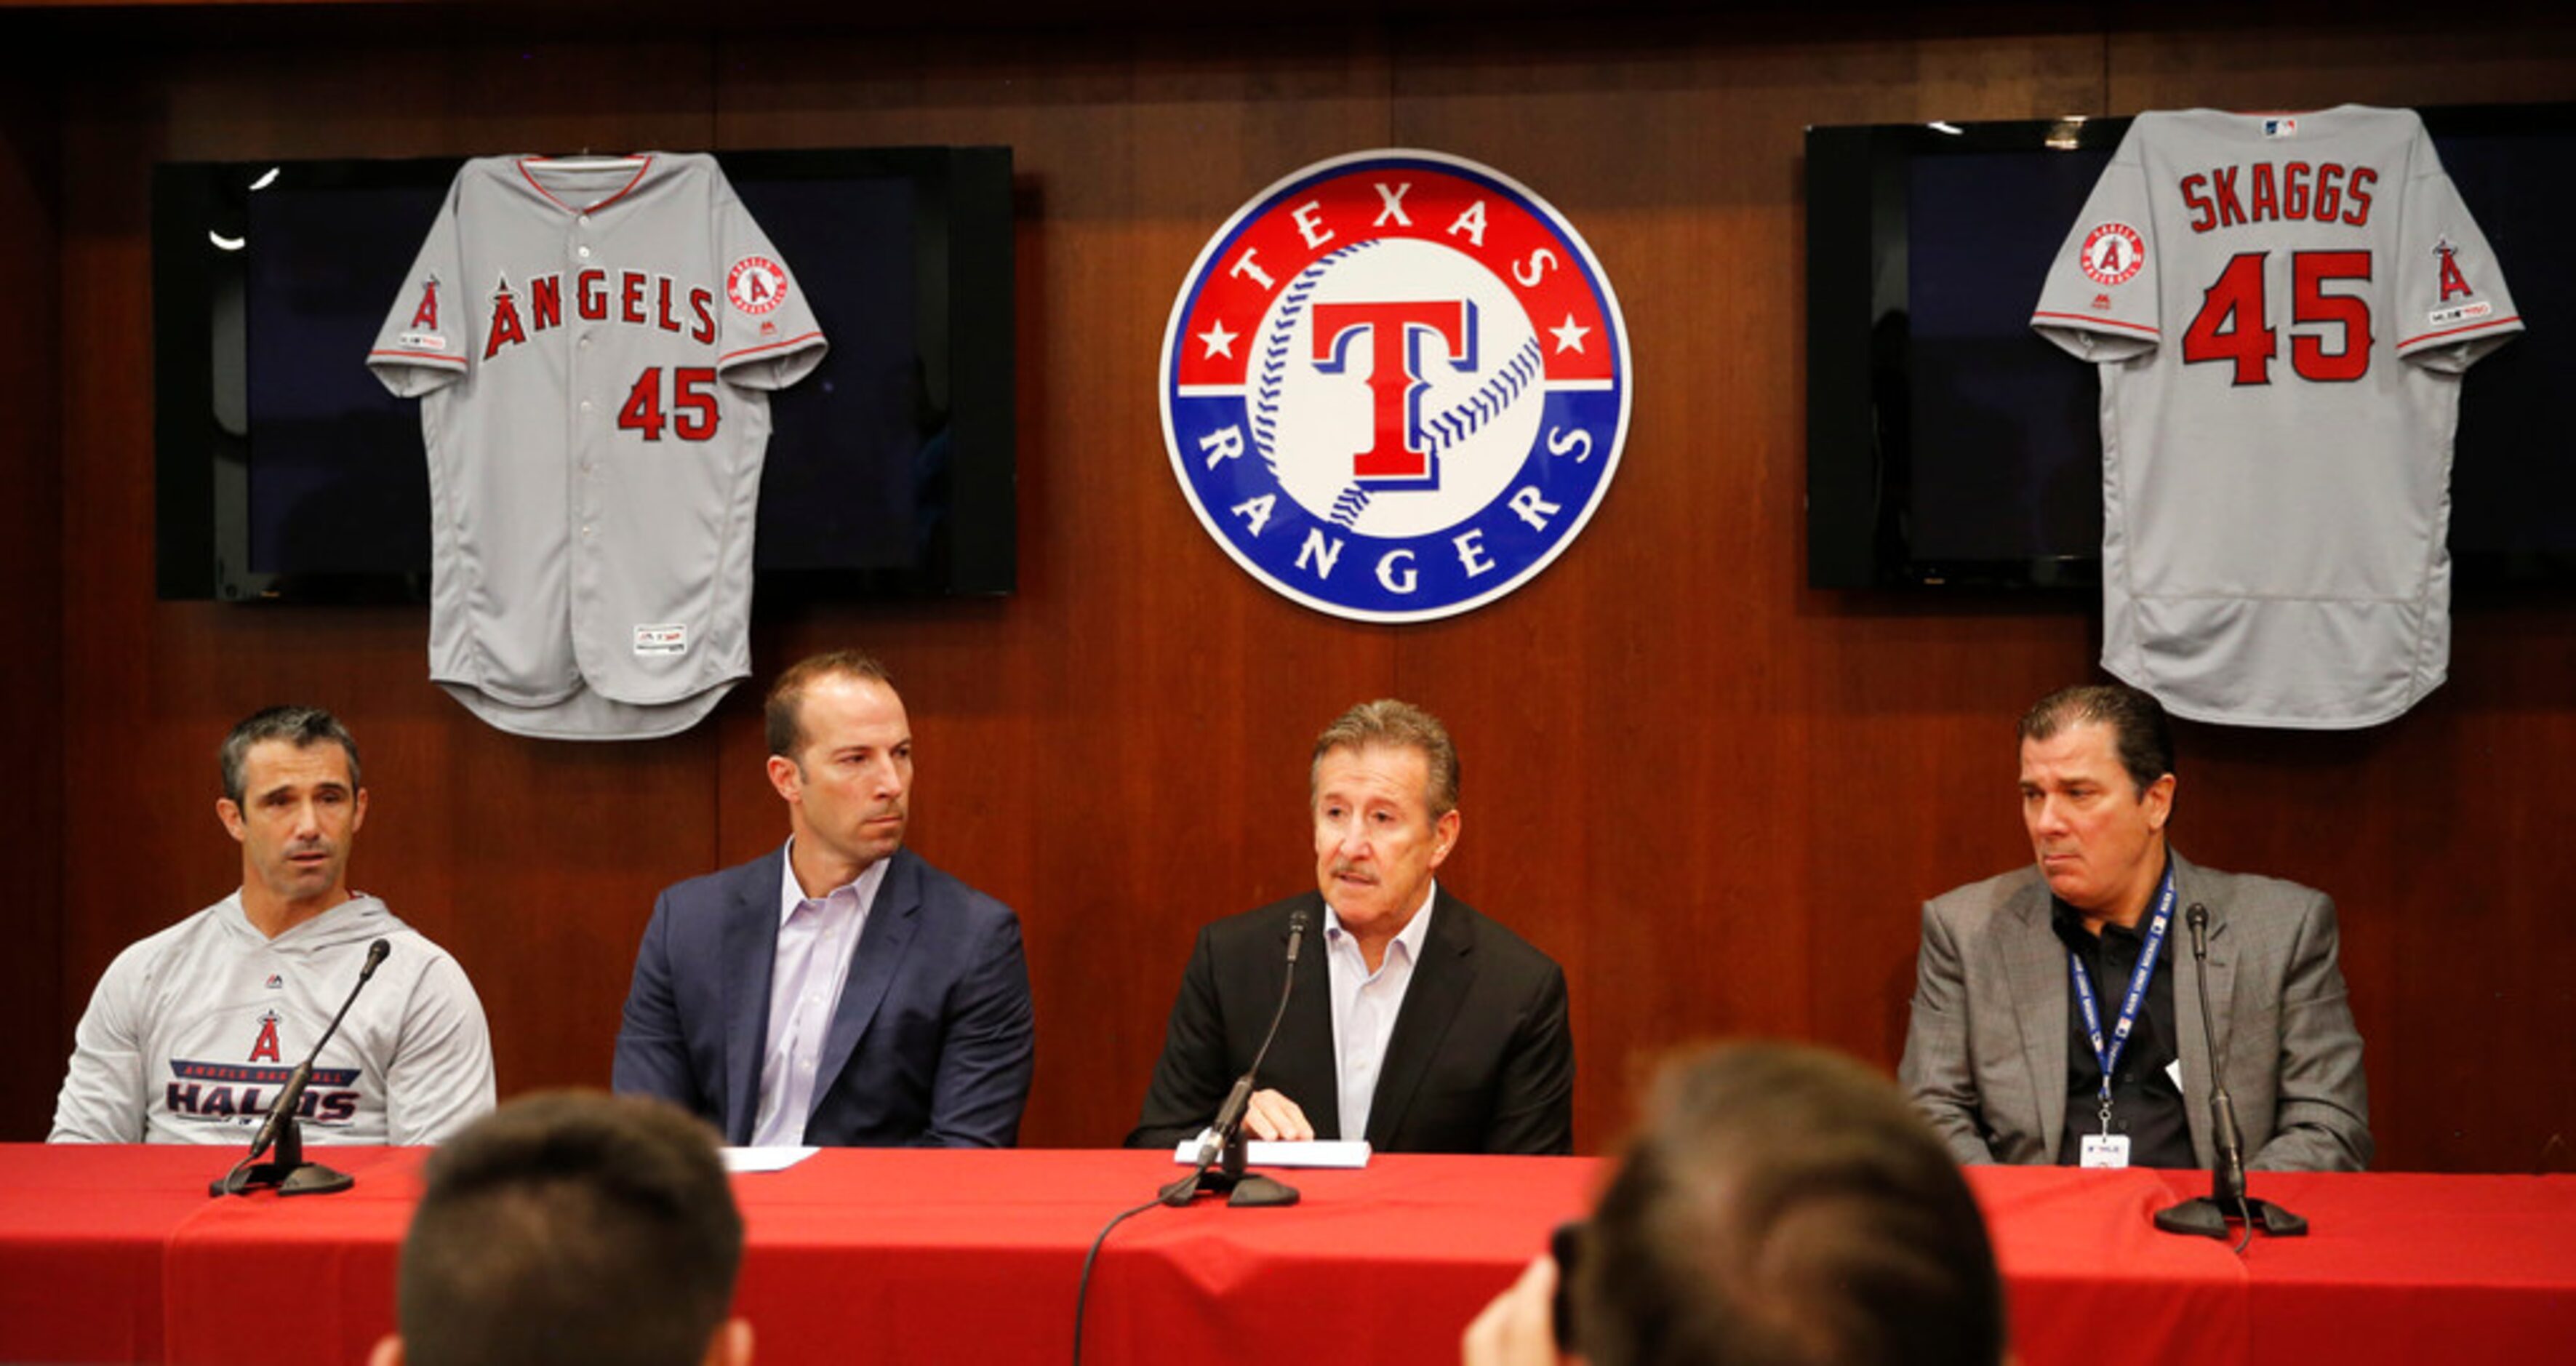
(590, 442)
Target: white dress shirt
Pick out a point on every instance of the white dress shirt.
(1365, 1005)
(817, 938)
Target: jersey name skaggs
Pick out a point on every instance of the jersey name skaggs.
(2266, 192)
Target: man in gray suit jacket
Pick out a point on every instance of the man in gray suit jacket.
(1999, 1055)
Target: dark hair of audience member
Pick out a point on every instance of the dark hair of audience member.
(571, 1226)
(1784, 1206)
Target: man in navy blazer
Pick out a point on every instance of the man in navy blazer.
(839, 990)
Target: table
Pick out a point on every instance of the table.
(116, 1254)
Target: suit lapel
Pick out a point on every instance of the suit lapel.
(1431, 1001)
(750, 952)
(892, 922)
(2192, 1043)
(2035, 965)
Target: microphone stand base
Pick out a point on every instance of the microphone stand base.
(1253, 1190)
(304, 1178)
(286, 1171)
(2207, 1218)
(1249, 1189)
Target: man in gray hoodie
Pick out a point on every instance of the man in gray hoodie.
(192, 1031)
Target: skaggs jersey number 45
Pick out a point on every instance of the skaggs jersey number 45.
(2230, 326)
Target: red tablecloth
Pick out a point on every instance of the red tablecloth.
(116, 1254)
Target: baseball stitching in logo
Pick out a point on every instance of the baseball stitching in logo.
(1430, 367)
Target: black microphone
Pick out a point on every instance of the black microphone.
(289, 1172)
(2208, 1216)
(2228, 1177)
(1227, 1130)
(1229, 1116)
(284, 1111)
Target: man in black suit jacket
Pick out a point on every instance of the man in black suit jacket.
(1444, 1029)
(839, 990)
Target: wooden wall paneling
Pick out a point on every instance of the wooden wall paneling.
(134, 860)
(2519, 54)
(444, 94)
(536, 862)
(32, 994)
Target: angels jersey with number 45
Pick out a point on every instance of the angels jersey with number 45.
(2281, 307)
(593, 342)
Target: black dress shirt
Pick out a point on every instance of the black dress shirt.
(2145, 1103)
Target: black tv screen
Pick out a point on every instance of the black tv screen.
(286, 471)
(1948, 444)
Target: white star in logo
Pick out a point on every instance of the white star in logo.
(1569, 337)
(1219, 341)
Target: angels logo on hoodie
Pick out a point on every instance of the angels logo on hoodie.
(245, 1093)
(264, 1048)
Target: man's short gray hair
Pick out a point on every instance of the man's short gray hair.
(1397, 725)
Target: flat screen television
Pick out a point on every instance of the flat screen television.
(287, 472)
(1950, 446)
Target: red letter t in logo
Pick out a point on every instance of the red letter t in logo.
(1396, 332)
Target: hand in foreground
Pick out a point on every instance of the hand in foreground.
(1519, 1327)
(1272, 1118)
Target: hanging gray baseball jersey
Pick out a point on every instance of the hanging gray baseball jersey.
(2281, 308)
(593, 343)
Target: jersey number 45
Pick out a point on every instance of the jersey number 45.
(2232, 324)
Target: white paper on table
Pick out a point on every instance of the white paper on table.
(765, 1159)
(1322, 1152)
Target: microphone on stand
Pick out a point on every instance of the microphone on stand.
(2208, 1216)
(288, 1171)
(1225, 1137)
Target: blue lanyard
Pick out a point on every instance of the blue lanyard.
(2108, 1055)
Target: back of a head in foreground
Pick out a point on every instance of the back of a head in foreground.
(1784, 1206)
(572, 1226)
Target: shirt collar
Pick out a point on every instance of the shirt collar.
(791, 893)
(2068, 922)
(1411, 936)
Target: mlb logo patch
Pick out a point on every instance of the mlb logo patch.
(1395, 385)
(2280, 128)
(276, 983)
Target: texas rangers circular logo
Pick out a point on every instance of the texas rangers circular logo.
(1395, 385)
(2114, 253)
(756, 284)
